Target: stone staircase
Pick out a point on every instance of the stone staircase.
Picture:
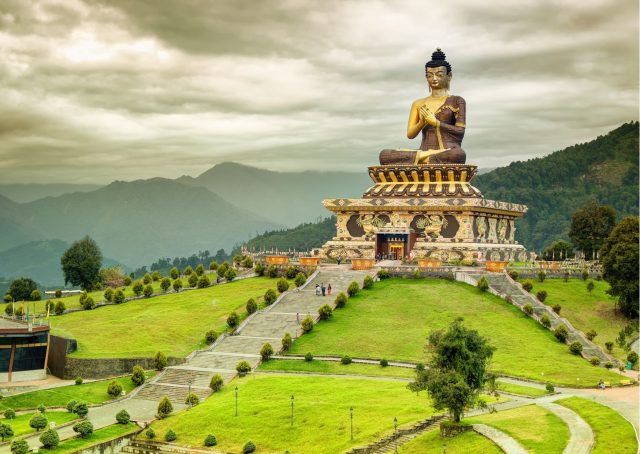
(136, 446)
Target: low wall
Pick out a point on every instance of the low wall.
(108, 367)
(110, 447)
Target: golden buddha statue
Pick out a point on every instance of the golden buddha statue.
(440, 117)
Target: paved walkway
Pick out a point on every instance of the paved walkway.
(504, 441)
(582, 438)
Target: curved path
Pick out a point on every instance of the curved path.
(504, 441)
(582, 439)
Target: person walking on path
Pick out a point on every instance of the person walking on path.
(298, 318)
(317, 289)
(329, 289)
(323, 288)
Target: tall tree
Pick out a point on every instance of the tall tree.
(457, 372)
(81, 263)
(590, 226)
(22, 288)
(619, 257)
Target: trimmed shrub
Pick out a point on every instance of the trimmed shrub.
(300, 279)
(308, 357)
(341, 300)
(155, 276)
(210, 440)
(148, 291)
(165, 408)
(384, 362)
(6, 431)
(123, 417)
(170, 435)
(585, 275)
(272, 271)
(561, 333)
(259, 269)
(49, 439)
(483, 284)
(286, 342)
(58, 293)
(88, 303)
(243, 368)
(230, 274)
(36, 295)
(282, 285)
(9, 413)
(247, 262)
(383, 274)
(81, 409)
(150, 433)
(367, 283)
(193, 280)
(248, 448)
(165, 283)
(146, 279)
(187, 271)
(251, 306)
(8, 298)
(595, 361)
(216, 383)
(19, 447)
(8, 309)
(127, 281)
(49, 306)
(591, 334)
(78, 380)
(59, 308)
(550, 388)
(632, 357)
(159, 361)
(114, 389)
(541, 295)
(192, 400)
(307, 325)
(108, 294)
(71, 405)
(270, 296)
(222, 269)
(177, 285)
(213, 266)
(203, 282)
(38, 421)
(325, 312)
(137, 288)
(609, 346)
(200, 269)
(266, 351)
(608, 365)
(42, 408)
(545, 320)
(290, 272)
(346, 359)
(541, 276)
(118, 297)
(210, 337)
(575, 348)
(590, 287)
(528, 309)
(233, 320)
(557, 308)
(137, 375)
(353, 289)
(514, 275)
(527, 286)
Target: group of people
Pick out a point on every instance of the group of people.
(322, 290)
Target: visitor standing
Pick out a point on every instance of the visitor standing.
(298, 318)
(317, 289)
(323, 288)
(329, 289)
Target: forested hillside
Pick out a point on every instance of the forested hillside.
(301, 238)
(553, 187)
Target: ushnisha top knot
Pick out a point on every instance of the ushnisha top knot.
(438, 58)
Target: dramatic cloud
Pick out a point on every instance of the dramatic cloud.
(92, 91)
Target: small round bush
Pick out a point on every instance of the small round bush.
(230, 274)
(272, 271)
(545, 320)
(270, 296)
(243, 368)
(210, 440)
(541, 275)
(585, 275)
(368, 282)
(251, 306)
(210, 337)
(118, 297)
(123, 417)
(286, 342)
(83, 428)
(528, 309)
(595, 361)
(42, 408)
(550, 388)
(307, 325)
(200, 269)
(146, 279)
(108, 294)
(137, 375)
(556, 308)
(71, 405)
(36, 295)
(216, 383)
(165, 283)
(561, 333)
(9, 413)
(541, 295)
(81, 409)
(59, 308)
(290, 272)
(266, 351)
(575, 348)
(127, 281)
(353, 289)
(632, 357)
(591, 334)
(384, 362)
(233, 320)
(259, 269)
(19, 447)
(608, 365)
(49, 439)
(88, 303)
(58, 293)
(609, 346)
(282, 285)
(137, 288)
(193, 280)
(203, 282)
(345, 360)
(514, 275)
(527, 286)
(177, 285)
(114, 389)
(325, 312)
(420, 367)
(170, 436)
(483, 284)
(150, 433)
(300, 279)
(192, 400)
(213, 266)
(383, 274)
(341, 300)
(160, 361)
(187, 271)
(248, 448)
(165, 408)
(6, 431)
(38, 421)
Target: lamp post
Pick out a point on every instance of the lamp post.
(351, 418)
(444, 448)
(395, 432)
(236, 401)
(291, 410)
(189, 394)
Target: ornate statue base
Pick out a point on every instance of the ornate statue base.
(431, 210)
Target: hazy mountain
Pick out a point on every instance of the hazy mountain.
(553, 187)
(137, 222)
(28, 192)
(288, 198)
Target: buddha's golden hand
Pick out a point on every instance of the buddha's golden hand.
(427, 116)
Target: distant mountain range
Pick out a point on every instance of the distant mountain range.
(23, 193)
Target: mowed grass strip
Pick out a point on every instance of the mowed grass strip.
(394, 318)
(321, 414)
(334, 367)
(465, 443)
(521, 390)
(89, 393)
(99, 436)
(20, 424)
(612, 432)
(174, 323)
(536, 429)
(586, 311)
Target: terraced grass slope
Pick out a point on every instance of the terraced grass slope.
(394, 319)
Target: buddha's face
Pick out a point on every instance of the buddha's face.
(438, 77)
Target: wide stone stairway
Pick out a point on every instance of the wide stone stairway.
(268, 325)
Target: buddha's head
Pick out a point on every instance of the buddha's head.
(438, 70)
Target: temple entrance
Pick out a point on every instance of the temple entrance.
(392, 246)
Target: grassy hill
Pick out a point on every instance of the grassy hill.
(553, 187)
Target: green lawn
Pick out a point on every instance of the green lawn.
(465, 443)
(333, 367)
(90, 393)
(21, 426)
(394, 319)
(174, 324)
(612, 432)
(99, 436)
(521, 390)
(586, 311)
(535, 428)
(321, 422)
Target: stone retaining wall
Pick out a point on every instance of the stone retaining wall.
(108, 367)
(111, 446)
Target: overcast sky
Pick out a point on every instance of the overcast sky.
(93, 91)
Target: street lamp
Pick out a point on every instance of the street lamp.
(291, 410)
(395, 432)
(351, 418)
(236, 401)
